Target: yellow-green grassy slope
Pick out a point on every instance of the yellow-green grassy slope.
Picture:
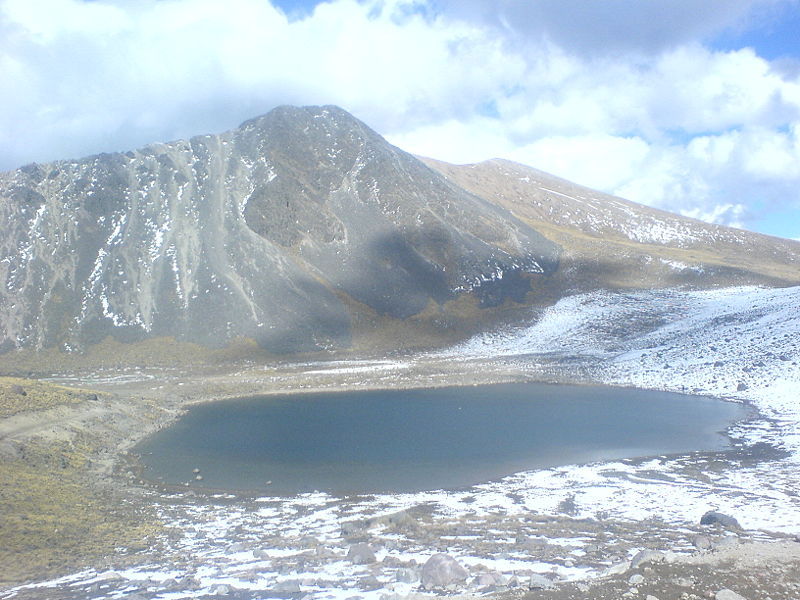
(52, 516)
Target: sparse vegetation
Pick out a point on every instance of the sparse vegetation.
(51, 520)
(19, 395)
(53, 516)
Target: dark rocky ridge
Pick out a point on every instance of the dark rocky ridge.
(283, 230)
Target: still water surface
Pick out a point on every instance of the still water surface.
(413, 440)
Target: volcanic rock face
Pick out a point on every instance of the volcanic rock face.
(282, 230)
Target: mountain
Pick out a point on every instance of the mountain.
(610, 243)
(296, 229)
(305, 230)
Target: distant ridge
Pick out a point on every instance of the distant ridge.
(612, 243)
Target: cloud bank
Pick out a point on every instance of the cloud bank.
(632, 99)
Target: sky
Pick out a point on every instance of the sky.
(689, 106)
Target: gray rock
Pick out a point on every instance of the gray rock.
(290, 586)
(636, 579)
(442, 570)
(169, 585)
(647, 556)
(19, 390)
(189, 582)
(352, 527)
(110, 576)
(309, 541)
(220, 590)
(713, 517)
(490, 579)
(701, 542)
(369, 583)
(260, 554)
(726, 594)
(407, 575)
(392, 561)
(540, 582)
(618, 568)
(401, 520)
(361, 554)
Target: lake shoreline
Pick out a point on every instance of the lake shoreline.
(116, 466)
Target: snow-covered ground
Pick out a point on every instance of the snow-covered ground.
(740, 344)
(736, 343)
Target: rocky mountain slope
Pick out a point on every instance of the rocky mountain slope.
(285, 230)
(304, 230)
(612, 243)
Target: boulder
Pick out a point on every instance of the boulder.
(401, 520)
(220, 590)
(352, 527)
(540, 582)
(647, 556)
(442, 570)
(713, 517)
(361, 554)
(490, 579)
(369, 583)
(618, 568)
(290, 586)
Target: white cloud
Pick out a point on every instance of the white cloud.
(599, 161)
(651, 114)
(456, 141)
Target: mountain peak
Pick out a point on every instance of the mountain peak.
(298, 114)
(289, 230)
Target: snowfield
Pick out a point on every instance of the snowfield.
(739, 344)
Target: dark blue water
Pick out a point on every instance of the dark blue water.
(412, 440)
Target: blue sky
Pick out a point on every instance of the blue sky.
(774, 33)
(689, 106)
